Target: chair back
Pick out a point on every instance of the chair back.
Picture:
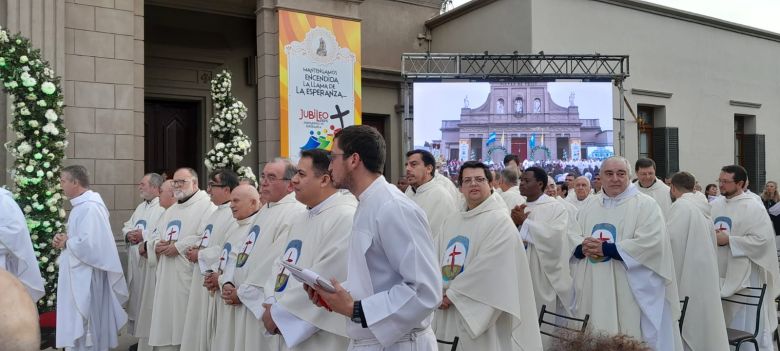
(683, 308)
(454, 343)
(560, 323)
(751, 296)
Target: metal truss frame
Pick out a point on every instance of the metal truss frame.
(512, 67)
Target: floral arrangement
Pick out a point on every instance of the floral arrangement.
(230, 143)
(39, 148)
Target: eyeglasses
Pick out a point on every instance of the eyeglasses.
(271, 178)
(216, 185)
(476, 180)
(180, 182)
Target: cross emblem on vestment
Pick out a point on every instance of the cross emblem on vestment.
(452, 255)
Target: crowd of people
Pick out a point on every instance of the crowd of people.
(327, 255)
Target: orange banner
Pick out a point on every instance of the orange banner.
(319, 80)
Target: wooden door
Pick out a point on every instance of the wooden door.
(171, 136)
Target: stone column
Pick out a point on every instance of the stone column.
(43, 21)
(100, 93)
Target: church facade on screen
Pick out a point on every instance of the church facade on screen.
(521, 118)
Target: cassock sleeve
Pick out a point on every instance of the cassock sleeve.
(130, 224)
(294, 330)
(751, 244)
(409, 250)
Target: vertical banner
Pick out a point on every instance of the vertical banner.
(319, 80)
(463, 150)
(576, 150)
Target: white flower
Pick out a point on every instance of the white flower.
(51, 129)
(27, 80)
(48, 88)
(51, 115)
(29, 168)
(23, 148)
(44, 259)
(23, 59)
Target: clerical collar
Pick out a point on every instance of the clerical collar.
(321, 206)
(248, 218)
(541, 197)
(187, 198)
(612, 202)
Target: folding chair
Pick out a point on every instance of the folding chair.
(738, 337)
(565, 328)
(684, 307)
(454, 343)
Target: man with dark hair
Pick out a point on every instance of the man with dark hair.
(431, 196)
(394, 284)
(651, 186)
(746, 256)
(318, 241)
(474, 242)
(596, 183)
(625, 253)
(183, 225)
(543, 223)
(199, 319)
(696, 265)
(136, 231)
(91, 286)
(512, 160)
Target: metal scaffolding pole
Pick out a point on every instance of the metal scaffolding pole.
(621, 122)
(408, 120)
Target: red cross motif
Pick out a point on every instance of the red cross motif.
(452, 255)
(722, 227)
(221, 259)
(246, 246)
(289, 259)
(602, 238)
(170, 235)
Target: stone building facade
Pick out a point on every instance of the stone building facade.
(525, 116)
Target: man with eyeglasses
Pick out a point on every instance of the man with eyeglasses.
(174, 271)
(484, 272)
(431, 196)
(136, 231)
(624, 273)
(199, 320)
(746, 255)
(318, 241)
(393, 282)
(251, 258)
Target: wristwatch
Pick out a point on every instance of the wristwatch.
(357, 314)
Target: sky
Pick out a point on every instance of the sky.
(434, 102)
(760, 14)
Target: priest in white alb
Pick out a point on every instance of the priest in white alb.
(174, 271)
(485, 273)
(543, 224)
(244, 287)
(582, 192)
(135, 231)
(746, 256)
(510, 189)
(624, 277)
(650, 185)
(16, 249)
(696, 265)
(245, 205)
(318, 241)
(199, 325)
(433, 197)
(91, 286)
(573, 230)
(149, 259)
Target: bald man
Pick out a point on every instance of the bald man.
(19, 329)
(581, 192)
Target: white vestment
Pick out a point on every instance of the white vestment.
(638, 295)
(579, 204)
(573, 231)
(91, 287)
(392, 270)
(450, 186)
(144, 322)
(486, 277)
(16, 250)
(434, 198)
(199, 325)
(274, 224)
(659, 191)
(318, 241)
(749, 260)
(512, 197)
(174, 274)
(144, 217)
(548, 251)
(693, 248)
